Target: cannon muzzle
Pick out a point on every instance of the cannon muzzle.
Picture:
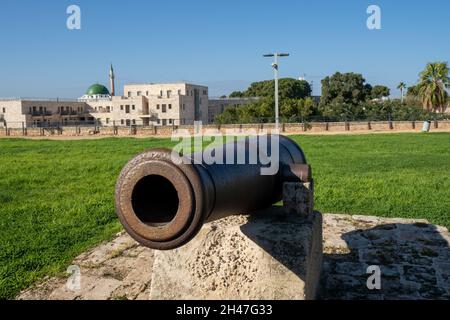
(163, 204)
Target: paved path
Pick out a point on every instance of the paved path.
(413, 255)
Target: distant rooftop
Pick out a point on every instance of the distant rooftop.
(39, 99)
(163, 83)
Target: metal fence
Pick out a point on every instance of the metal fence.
(323, 119)
(138, 123)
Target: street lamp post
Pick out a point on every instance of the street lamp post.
(275, 68)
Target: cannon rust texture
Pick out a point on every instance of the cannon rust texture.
(163, 204)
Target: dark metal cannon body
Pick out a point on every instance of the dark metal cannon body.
(163, 204)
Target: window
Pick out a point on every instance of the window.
(179, 92)
(133, 107)
(158, 121)
(128, 122)
(139, 93)
(169, 93)
(164, 108)
(129, 94)
(122, 122)
(146, 93)
(184, 107)
(107, 120)
(157, 106)
(127, 108)
(108, 109)
(161, 93)
(121, 107)
(170, 121)
(205, 92)
(4, 110)
(134, 121)
(170, 106)
(164, 122)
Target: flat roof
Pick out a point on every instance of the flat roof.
(163, 83)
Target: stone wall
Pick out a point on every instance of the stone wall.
(288, 128)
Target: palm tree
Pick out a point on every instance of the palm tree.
(401, 87)
(433, 85)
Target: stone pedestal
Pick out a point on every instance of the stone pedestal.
(270, 255)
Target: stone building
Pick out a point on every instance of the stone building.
(142, 104)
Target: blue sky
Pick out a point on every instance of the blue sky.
(218, 43)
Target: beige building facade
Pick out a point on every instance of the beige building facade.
(157, 104)
(16, 113)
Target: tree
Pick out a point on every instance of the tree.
(346, 87)
(401, 86)
(379, 92)
(263, 111)
(289, 88)
(342, 95)
(236, 94)
(413, 91)
(294, 109)
(433, 85)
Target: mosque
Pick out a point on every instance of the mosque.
(141, 104)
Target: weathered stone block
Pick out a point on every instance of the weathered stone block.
(265, 256)
(298, 198)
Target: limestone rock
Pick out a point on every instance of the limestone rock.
(268, 256)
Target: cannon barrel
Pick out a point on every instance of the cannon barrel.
(163, 204)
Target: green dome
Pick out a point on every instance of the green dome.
(97, 89)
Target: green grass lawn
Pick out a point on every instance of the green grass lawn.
(56, 197)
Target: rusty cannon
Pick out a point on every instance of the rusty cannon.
(163, 203)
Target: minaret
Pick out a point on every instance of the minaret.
(111, 81)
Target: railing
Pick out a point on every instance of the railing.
(71, 113)
(152, 113)
(103, 110)
(40, 113)
(321, 119)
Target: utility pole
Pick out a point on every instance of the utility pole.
(275, 68)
